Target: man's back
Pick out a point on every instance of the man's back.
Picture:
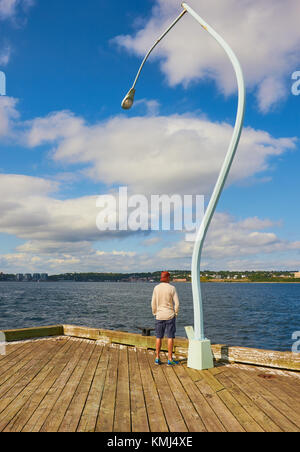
(165, 302)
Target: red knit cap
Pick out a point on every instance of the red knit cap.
(165, 277)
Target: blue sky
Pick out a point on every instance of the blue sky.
(65, 139)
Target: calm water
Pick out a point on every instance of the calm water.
(253, 315)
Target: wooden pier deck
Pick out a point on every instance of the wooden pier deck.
(67, 384)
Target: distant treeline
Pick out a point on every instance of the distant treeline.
(105, 277)
(206, 276)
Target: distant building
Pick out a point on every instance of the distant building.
(36, 277)
(19, 277)
(44, 276)
(180, 280)
(28, 277)
(297, 275)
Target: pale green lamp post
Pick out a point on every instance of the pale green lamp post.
(200, 354)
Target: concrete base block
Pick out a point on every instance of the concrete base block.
(200, 355)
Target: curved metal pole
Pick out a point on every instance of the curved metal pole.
(153, 47)
(196, 285)
(127, 103)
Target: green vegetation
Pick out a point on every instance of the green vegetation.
(206, 276)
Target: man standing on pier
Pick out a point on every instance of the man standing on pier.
(165, 307)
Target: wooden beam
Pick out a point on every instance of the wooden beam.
(117, 337)
(265, 358)
(242, 355)
(31, 333)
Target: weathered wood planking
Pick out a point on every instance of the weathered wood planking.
(69, 384)
(224, 353)
(268, 358)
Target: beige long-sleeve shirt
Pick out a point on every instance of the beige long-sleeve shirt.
(165, 302)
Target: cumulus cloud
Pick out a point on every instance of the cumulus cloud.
(58, 234)
(230, 241)
(8, 115)
(30, 210)
(163, 154)
(10, 8)
(61, 236)
(5, 55)
(265, 36)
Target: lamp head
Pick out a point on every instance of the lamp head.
(128, 100)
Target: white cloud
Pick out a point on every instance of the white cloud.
(7, 8)
(8, 115)
(230, 241)
(5, 55)
(174, 154)
(265, 36)
(58, 233)
(14, 11)
(61, 236)
(10, 8)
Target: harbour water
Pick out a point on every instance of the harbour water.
(251, 315)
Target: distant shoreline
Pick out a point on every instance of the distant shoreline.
(155, 282)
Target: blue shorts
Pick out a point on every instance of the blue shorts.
(167, 327)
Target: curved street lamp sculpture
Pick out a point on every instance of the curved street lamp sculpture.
(200, 355)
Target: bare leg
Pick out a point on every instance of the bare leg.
(158, 347)
(170, 349)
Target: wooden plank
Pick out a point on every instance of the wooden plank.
(265, 358)
(187, 409)
(231, 424)
(249, 387)
(210, 421)
(35, 396)
(105, 421)
(40, 415)
(14, 363)
(18, 380)
(122, 422)
(212, 381)
(290, 385)
(268, 358)
(247, 422)
(273, 400)
(173, 415)
(139, 419)
(59, 409)
(254, 411)
(156, 417)
(115, 337)
(218, 369)
(193, 373)
(19, 394)
(72, 416)
(30, 333)
(287, 393)
(90, 412)
(12, 349)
